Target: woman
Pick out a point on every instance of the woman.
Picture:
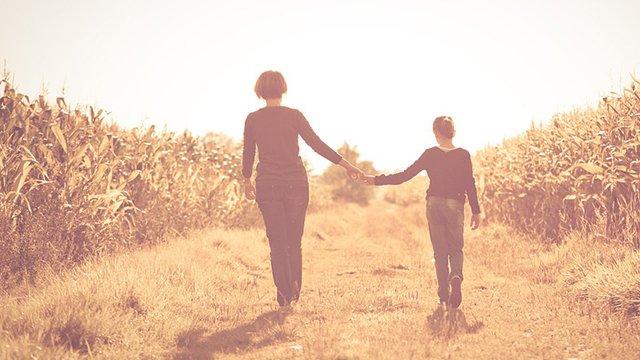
(450, 179)
(282, 188)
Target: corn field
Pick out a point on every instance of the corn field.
(581, 171)
(73, 186)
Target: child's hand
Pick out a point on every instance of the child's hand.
(369, 179)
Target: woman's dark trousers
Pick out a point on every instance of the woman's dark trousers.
(283, 208)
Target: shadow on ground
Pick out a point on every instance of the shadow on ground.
(447, 324)
(263, 331)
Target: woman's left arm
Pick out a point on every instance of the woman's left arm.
(313, 140)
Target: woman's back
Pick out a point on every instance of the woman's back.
(275, 130)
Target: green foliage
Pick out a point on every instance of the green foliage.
(342, 187)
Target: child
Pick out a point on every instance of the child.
(451, 181)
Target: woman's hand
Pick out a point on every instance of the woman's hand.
(249, 190)
(369, 179)
(475, 221)
(353, 172)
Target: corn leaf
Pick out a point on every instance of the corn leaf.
(57, 132)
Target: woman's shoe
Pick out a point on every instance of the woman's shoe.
(455, 299)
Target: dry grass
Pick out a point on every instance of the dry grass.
(410, 193)
(135, 304)
(368, 292)
(609, 281)
(73, 185)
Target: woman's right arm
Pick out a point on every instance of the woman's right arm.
(248, 157)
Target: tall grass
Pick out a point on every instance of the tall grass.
(581, 169)
(73, 185)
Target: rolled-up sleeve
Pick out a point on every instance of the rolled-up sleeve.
(313, 140)
(248, 150)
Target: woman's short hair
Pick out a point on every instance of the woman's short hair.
(270, 85)
(443, 125)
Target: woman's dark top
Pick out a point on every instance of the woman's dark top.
(450, 175)
(275, 131)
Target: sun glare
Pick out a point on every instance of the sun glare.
(368, 73)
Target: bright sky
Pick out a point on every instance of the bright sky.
(371, 72)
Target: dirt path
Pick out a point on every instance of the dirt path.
(369, 292)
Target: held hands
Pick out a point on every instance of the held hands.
(353, 172)
(357, 174)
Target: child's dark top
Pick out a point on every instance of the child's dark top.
(450, 175)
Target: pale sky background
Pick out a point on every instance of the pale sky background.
(373, 73)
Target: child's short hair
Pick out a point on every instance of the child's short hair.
(444, 126)
(270, 85)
